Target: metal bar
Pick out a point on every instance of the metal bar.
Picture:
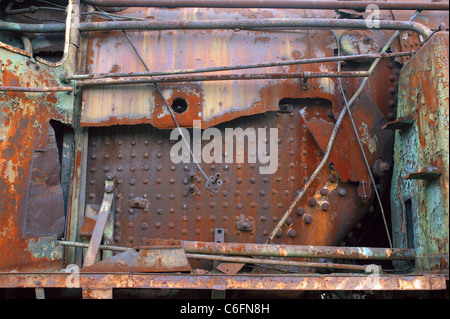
(99, 228)
(237, 66)
(217, 24)
(209, 281)
(251, 23)
(278, 262)
(218, 77)
(279, 4)
(269, 250)
(35, 90)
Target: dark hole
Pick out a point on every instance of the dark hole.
(179, 105)
(409, 224)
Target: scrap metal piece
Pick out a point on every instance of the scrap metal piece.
(147, 259)
(99, 228)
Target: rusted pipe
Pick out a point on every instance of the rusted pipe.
(218, 77)
(278, 4)
(252, 24)
(35, 90)
(236, 67)
(217, 24)
(279, 262)
(270, 250)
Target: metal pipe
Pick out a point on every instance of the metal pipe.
(216, 24)
(279, 4)
(251, 23)
(278, 262)
(299, 251)
(35, 90)
(270, 250)
(218, 77)
(236, 67)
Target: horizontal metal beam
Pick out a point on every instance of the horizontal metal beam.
(245, 282)
(238, 66)
(218, 24)
(218, 77)
(274, 4)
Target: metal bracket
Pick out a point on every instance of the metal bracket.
(102, 218)
(214, 183)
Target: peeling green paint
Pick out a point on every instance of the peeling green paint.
(420, 208)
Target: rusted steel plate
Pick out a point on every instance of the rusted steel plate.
(247, 282)
(149, 259)
(156, 198)
(26, 177)
(420, 188)
(212, 102)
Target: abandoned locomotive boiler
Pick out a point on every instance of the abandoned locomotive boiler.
(227, 147)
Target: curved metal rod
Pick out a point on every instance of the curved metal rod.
(279, 4)
(218, 24)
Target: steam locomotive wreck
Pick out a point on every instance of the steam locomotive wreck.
(224, 147)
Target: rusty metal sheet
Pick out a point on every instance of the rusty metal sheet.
(146, 259)
(45, 207)
(156, 198)
(420, 204)
(212, 102)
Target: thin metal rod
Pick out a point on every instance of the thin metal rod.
(331, 140)
(271, 250)
(278, 262)
(238, 66)
(252, 23)
(217, 24)
(35, 90)
(280, 4)
(219, 77)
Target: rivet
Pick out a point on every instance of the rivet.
(158, 196)
(289, 221)
(144, 226)
(158, 211)
(292, 233)
(253, 204)
(300, 211)
(332, 178)
(131, 211)
(342, 191)
(324, 191)
(308, 219)
(312, 202)
(94, 156)
(158, 225)
(279, 233)
(325, 206)
(263, 218)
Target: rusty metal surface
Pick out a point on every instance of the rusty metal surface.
(420, 182)
(139, 156)
(286, 4)
(124, 130)
(25, 179)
